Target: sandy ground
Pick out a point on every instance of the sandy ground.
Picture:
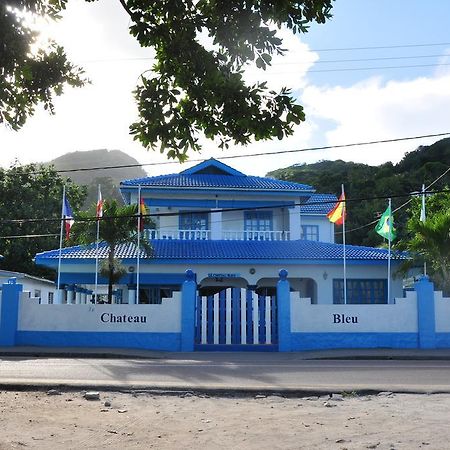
(141, 420)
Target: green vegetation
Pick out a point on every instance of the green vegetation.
(32, 191)
(118, 226)
(429, 241)
(196, 86)
(423, 165)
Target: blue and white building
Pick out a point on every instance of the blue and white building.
(220, 241)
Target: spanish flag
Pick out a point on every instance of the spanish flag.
(338, 213)
(142, 213)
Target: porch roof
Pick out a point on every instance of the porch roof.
(174, 250)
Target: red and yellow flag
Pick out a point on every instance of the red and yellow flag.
(99, 209)
(142, 213)
(337, 214)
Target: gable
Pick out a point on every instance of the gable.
(211, 167)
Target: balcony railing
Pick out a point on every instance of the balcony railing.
(255, 235)
(228, 235)
(187, 235)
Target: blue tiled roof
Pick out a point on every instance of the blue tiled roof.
(221, 251)
(319, 204)
(210, 181)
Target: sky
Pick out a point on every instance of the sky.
(345, 101)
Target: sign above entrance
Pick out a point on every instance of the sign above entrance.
(224, 275)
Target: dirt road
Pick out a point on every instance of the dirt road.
(37, 420)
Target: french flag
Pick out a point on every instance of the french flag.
(67, 216)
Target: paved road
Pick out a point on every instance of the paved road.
(256, 372)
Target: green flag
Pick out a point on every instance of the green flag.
(385, 226)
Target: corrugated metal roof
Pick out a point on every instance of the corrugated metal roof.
(221, 251)
(211, 181)
(319, 204)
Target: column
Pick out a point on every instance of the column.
(9, 312)
(294, 223)
(70, 294)
(59, 296)
(216, 225)
(78, 291)
(284, 312)
(426, 321)
(188, 297)
(89, 299)
(132, 294)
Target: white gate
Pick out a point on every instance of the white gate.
(236, 317)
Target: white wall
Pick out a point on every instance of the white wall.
(326, 228)
(163, 318)
(31, 285)
(442, 312)
(324, 275)
(399, 317)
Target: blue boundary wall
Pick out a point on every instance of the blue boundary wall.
(165, 341)
(425, 337)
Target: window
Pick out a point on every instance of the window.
(37, 293)
(50, 298)
(193, 221)
(258, 221)
(310, 232)
(360, 291)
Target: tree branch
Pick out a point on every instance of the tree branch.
(125, 7)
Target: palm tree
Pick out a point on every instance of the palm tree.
(117, 226)
(430, 240)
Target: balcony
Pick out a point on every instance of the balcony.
(228, 235)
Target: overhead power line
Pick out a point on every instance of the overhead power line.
(350, 69)
(380, 47)
(373, 222)
(333, 61)
(180, 213)
(250, 155)
(287, 63)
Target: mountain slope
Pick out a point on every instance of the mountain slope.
(109, 179)
(361, 181)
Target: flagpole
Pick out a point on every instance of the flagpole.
(423, 218)
(343, 242)
(389, 253)
(96, 247)
(59, 297)
(138, 245)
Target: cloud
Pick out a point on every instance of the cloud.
(287, 70)
(376, 110)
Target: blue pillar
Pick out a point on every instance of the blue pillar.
(9, 312)
(426, 321)
(188, 297)
(284, 312)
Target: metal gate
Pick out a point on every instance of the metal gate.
(236, 319)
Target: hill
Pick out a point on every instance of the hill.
(361, 181)
(108, 178)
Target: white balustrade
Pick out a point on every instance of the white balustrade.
(256, 235)
(228, 235)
